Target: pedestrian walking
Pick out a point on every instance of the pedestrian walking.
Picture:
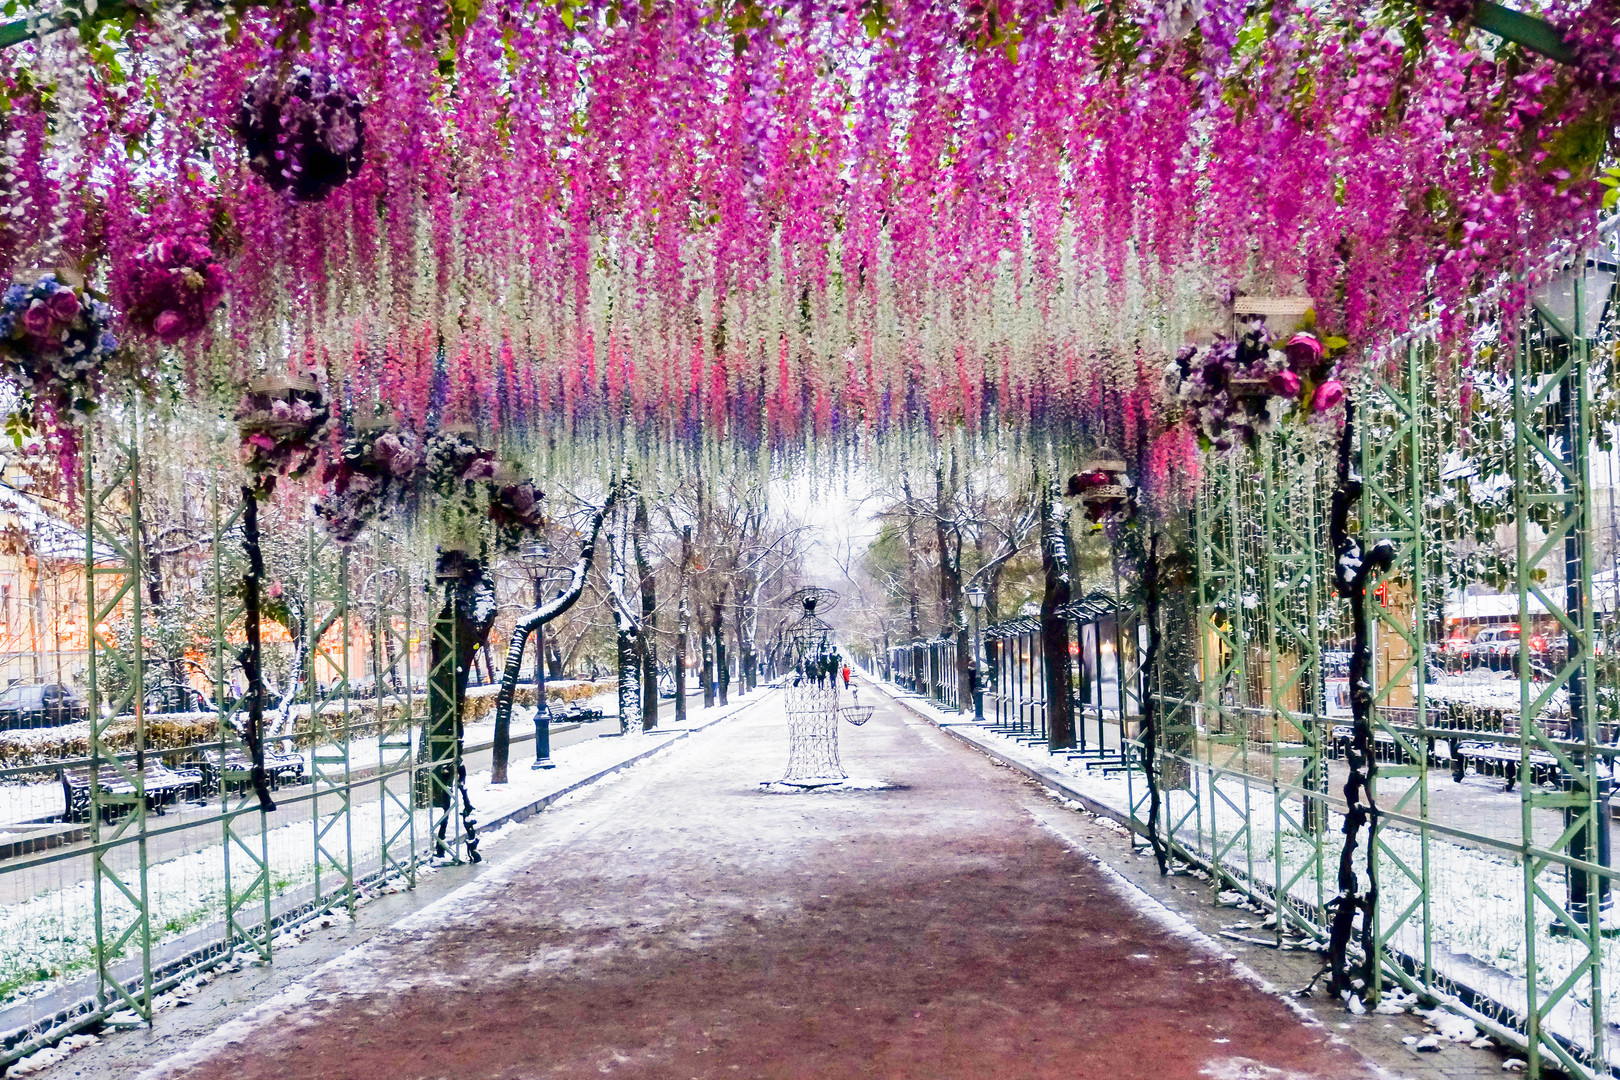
(846, 676)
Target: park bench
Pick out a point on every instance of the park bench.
(164, 787)
(235, 771)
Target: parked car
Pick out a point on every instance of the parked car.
(1494, 646)
(30, 705)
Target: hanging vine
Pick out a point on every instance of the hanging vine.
(1353, 565)
(1150, 700)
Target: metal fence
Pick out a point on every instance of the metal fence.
(1495, 889)
(134, 850)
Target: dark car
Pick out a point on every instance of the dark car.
(31, 705)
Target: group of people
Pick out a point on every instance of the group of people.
(822, 670)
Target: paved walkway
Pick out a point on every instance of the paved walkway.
(682, 923)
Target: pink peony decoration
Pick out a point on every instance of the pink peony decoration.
(1328, 395)
(1285, 383)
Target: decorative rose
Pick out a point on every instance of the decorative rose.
(37, 319)
(64, 306)
(1304, 351)
(168, 324)
(1328, 395)
(1285, 384)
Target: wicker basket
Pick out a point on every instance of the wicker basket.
(857, 714)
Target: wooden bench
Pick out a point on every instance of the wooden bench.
(163, 786)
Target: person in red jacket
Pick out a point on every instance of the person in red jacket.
(846, 676)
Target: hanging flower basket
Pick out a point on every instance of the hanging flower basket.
(1235, 391)
(857, 714)
(56, 341)
(378, 472)
(304, 132)
(282, 421)
(1103, 488)
(173, 286)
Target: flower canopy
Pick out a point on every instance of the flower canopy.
(792, 221)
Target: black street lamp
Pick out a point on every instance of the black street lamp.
(975, 599)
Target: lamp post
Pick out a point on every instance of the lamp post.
(533, 557)
(975, 599)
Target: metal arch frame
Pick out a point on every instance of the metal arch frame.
(115, 532)
(392, 621)
(1551, 471)
(331, 775)
(239, 896)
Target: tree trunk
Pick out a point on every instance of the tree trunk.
(722, 671)
(707, 643)
(913, 598)
(685, 627)
(948, 534)
(1054, 623)
(649, 621)
(251, 657)
(626, 632)
(528, 624)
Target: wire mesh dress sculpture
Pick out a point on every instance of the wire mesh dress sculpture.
(812, 699)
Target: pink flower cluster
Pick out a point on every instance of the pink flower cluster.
(172, 287)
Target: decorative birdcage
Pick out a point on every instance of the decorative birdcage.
(812, 696)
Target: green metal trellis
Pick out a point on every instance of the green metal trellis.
(1294, 662)
(1222, 626)
(112, 493)
(251, 890)
(1552, 487)
(331, 776)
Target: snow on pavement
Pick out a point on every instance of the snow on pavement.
(683, 922)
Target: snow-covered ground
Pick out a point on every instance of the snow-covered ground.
(1476, 906)
(43, 799)
(46, 939)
